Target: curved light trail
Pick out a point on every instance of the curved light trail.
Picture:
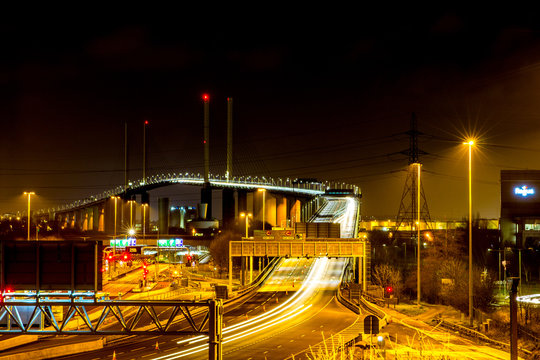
(296, 305)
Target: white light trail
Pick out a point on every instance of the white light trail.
(297, 304)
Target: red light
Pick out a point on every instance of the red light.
(204, 141)
(145, 122)
(125, 256)
(206, 97)
(110, 257)
(389, 289)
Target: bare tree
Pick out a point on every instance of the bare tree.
(219, 249)
(385, 275)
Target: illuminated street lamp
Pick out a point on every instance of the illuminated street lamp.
(247, 216)
(418, 290)
(115, 198)
(264, 203)
(470, 143)
(114, 237)
(29, 194)
(131, 213)
(144, 206)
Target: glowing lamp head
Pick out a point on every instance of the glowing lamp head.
(206, 97)
(131, 232)
(470, 142)
(145, 122)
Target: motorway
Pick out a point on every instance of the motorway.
(293, 309)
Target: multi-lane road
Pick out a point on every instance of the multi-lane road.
(294, 309)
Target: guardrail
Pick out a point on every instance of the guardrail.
(260, 278)
(463, 330)
(531, 335)
(315, 188)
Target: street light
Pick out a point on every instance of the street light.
(114, 238)
(144, 206)
(264, 203)
(115, 198)
(29, 194)
(419, 286)
(248, 215)
(470, 143)
(131, 213)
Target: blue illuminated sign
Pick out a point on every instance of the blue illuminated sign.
(524, 191)
(171, 243)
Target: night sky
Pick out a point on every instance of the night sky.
(324, 93)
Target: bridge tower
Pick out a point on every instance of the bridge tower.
(228, 203)
(411, 199)
(206, 191)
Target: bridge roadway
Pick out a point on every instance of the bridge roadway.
(290, 312)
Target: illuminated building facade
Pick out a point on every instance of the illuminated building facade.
(520, 208)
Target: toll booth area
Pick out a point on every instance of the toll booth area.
(287, 243)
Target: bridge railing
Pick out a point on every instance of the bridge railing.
(192, 178)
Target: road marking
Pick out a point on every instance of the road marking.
(302, 335)
(138, 349)
(279, 346)
(148, 355)
(291, 340)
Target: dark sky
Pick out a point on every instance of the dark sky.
(325, 93)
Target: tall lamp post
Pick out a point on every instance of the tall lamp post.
(29, 194)
(470, 143)
(131, 214)
(114, 237)
(419, 293)
(144, 206)
(264, 203)
(248, 215)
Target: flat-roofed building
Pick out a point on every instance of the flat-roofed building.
(520, 208)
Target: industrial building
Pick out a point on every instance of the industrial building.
(520, 208)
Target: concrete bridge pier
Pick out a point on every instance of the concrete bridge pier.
(281, 211)
(206, 198)
(294, 209)
(229, 207)
(145, 213)
(163, 215)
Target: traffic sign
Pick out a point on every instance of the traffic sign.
(371, 324)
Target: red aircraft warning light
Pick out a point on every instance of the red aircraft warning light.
(206, 97)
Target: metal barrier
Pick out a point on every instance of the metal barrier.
(463, 330)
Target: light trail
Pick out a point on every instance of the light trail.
(533, 299)
(297, 304)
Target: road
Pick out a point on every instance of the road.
(293, 310)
